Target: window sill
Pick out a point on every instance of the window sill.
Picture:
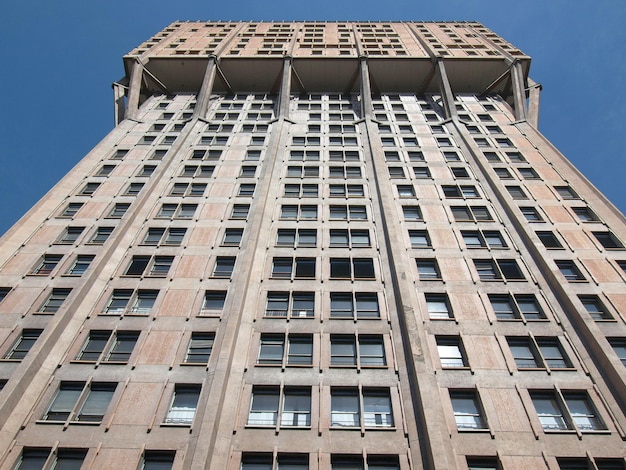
(175, 425)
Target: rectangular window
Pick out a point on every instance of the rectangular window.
(438, 307)
(129, 302)
(89, 189)
(516, 307)
(531, 214)
(232, 237)
(71, 209)
(428, 269)
(566, 411)
(451, 352)
(566, 192)
(24, 343)
(538, 353)
(107, 346)
(467, 410)
(293, 268)
(549, 239)
(297, 352)
(585, 214)
(224, 266)
(492, 239)
(517, 192)
(471, 214)
(101, 235)
(213, 302)
(495, 270)
(200, 347)
(570, 271)
(182, 409)
(608, 240)
(133, 189)
(240, 211)
(177, 211)
(78, 401)
(352, 268)
(291, 407)
(412, 213)
(298, 212)
(405, 190)
(368, 408)
(70, 235)
(54, 300)
(354, 305)
(296, 237)
(118, 210)
(46, 265)
(157, 266)
(158, 459)
(419, 239)
(619, 346)
(290, 304)
(4, 291)
(528, 173)
(349, 238)
(595, 307)
(348, 212)
(361, 351)
(80, 265)
(172, 236)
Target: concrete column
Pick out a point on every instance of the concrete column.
(366, 91)
(534, 90)
(519, 92)
(136, 75)
(119, 103)
(204, 95)
(285, 90)
(446, 91)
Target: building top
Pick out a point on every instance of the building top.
(402, 56)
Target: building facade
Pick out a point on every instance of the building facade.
(317, 246)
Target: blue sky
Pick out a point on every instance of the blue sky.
(59, 59)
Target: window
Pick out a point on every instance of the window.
(283, 462)
(346, 190)
(46, 265)
(289, 268)
(566, 192)
(70, 235)
(517, 192)
(118, 210)
(355, 462)
(352, 238)
(246, 189)
(549, 239)
(78, 401)
(619, 346)
(195, 171)
(129, 302)
(483, 463)
(405, 190)
(585, 214)
(570, 271)
(531, 214)
(23, 344)
(412, 213)
(467, 410)
(608, 240)
(172, 236)
(157, 266)
(4, 291)
(158, 459)
(71, 209)
(298, 212)
(291, 407)
(300, 190)
(451, 352)
(213, 301)
(54, 300)
(559, 411)
(352, 268)
(290, 304)
(503, 173)
(595, 308)
(202, 154)
(427, 269)
(177, 211)
(224, 266)
(188, 189)
(108, 346)
(451, 157)
(133, 189)
(89, 189)
(298, 350)
(240, 211)
(492, 239)
(396, 172)
(199, 349)
(471, 214)
(361, 351)
(495, 270)
(101, 235)
(348, 213)
(354, 305)
(372, 409)
(296, 237)
(419, 239)
(182, 410)
(538, 353)
(421, 172)
(459, 172)
(307, 155)
(300, 171)
(438, 307)
(460, 191)
(528, 173)
(248, 171)
(517, 307)
(232, 237)
(36, 458)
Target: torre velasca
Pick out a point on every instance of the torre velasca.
(317, 245)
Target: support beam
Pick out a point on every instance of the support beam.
(534, 92)
(204, 95)
(446, 91)
(519, 92)
(366, 91)
(285, 90)
(136, 75)
(119, 102)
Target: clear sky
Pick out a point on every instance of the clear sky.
(60, 57)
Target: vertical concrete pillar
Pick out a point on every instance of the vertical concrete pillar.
(119, 104)
(446, 90)
(534, 91)
(366, 91)
(204, 95)
(136, 76)
(285, 90)
(519, 93)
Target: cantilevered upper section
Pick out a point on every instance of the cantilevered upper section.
(401, 56)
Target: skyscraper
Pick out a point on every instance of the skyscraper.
(317, 245)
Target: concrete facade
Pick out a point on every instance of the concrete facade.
(317, 246)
